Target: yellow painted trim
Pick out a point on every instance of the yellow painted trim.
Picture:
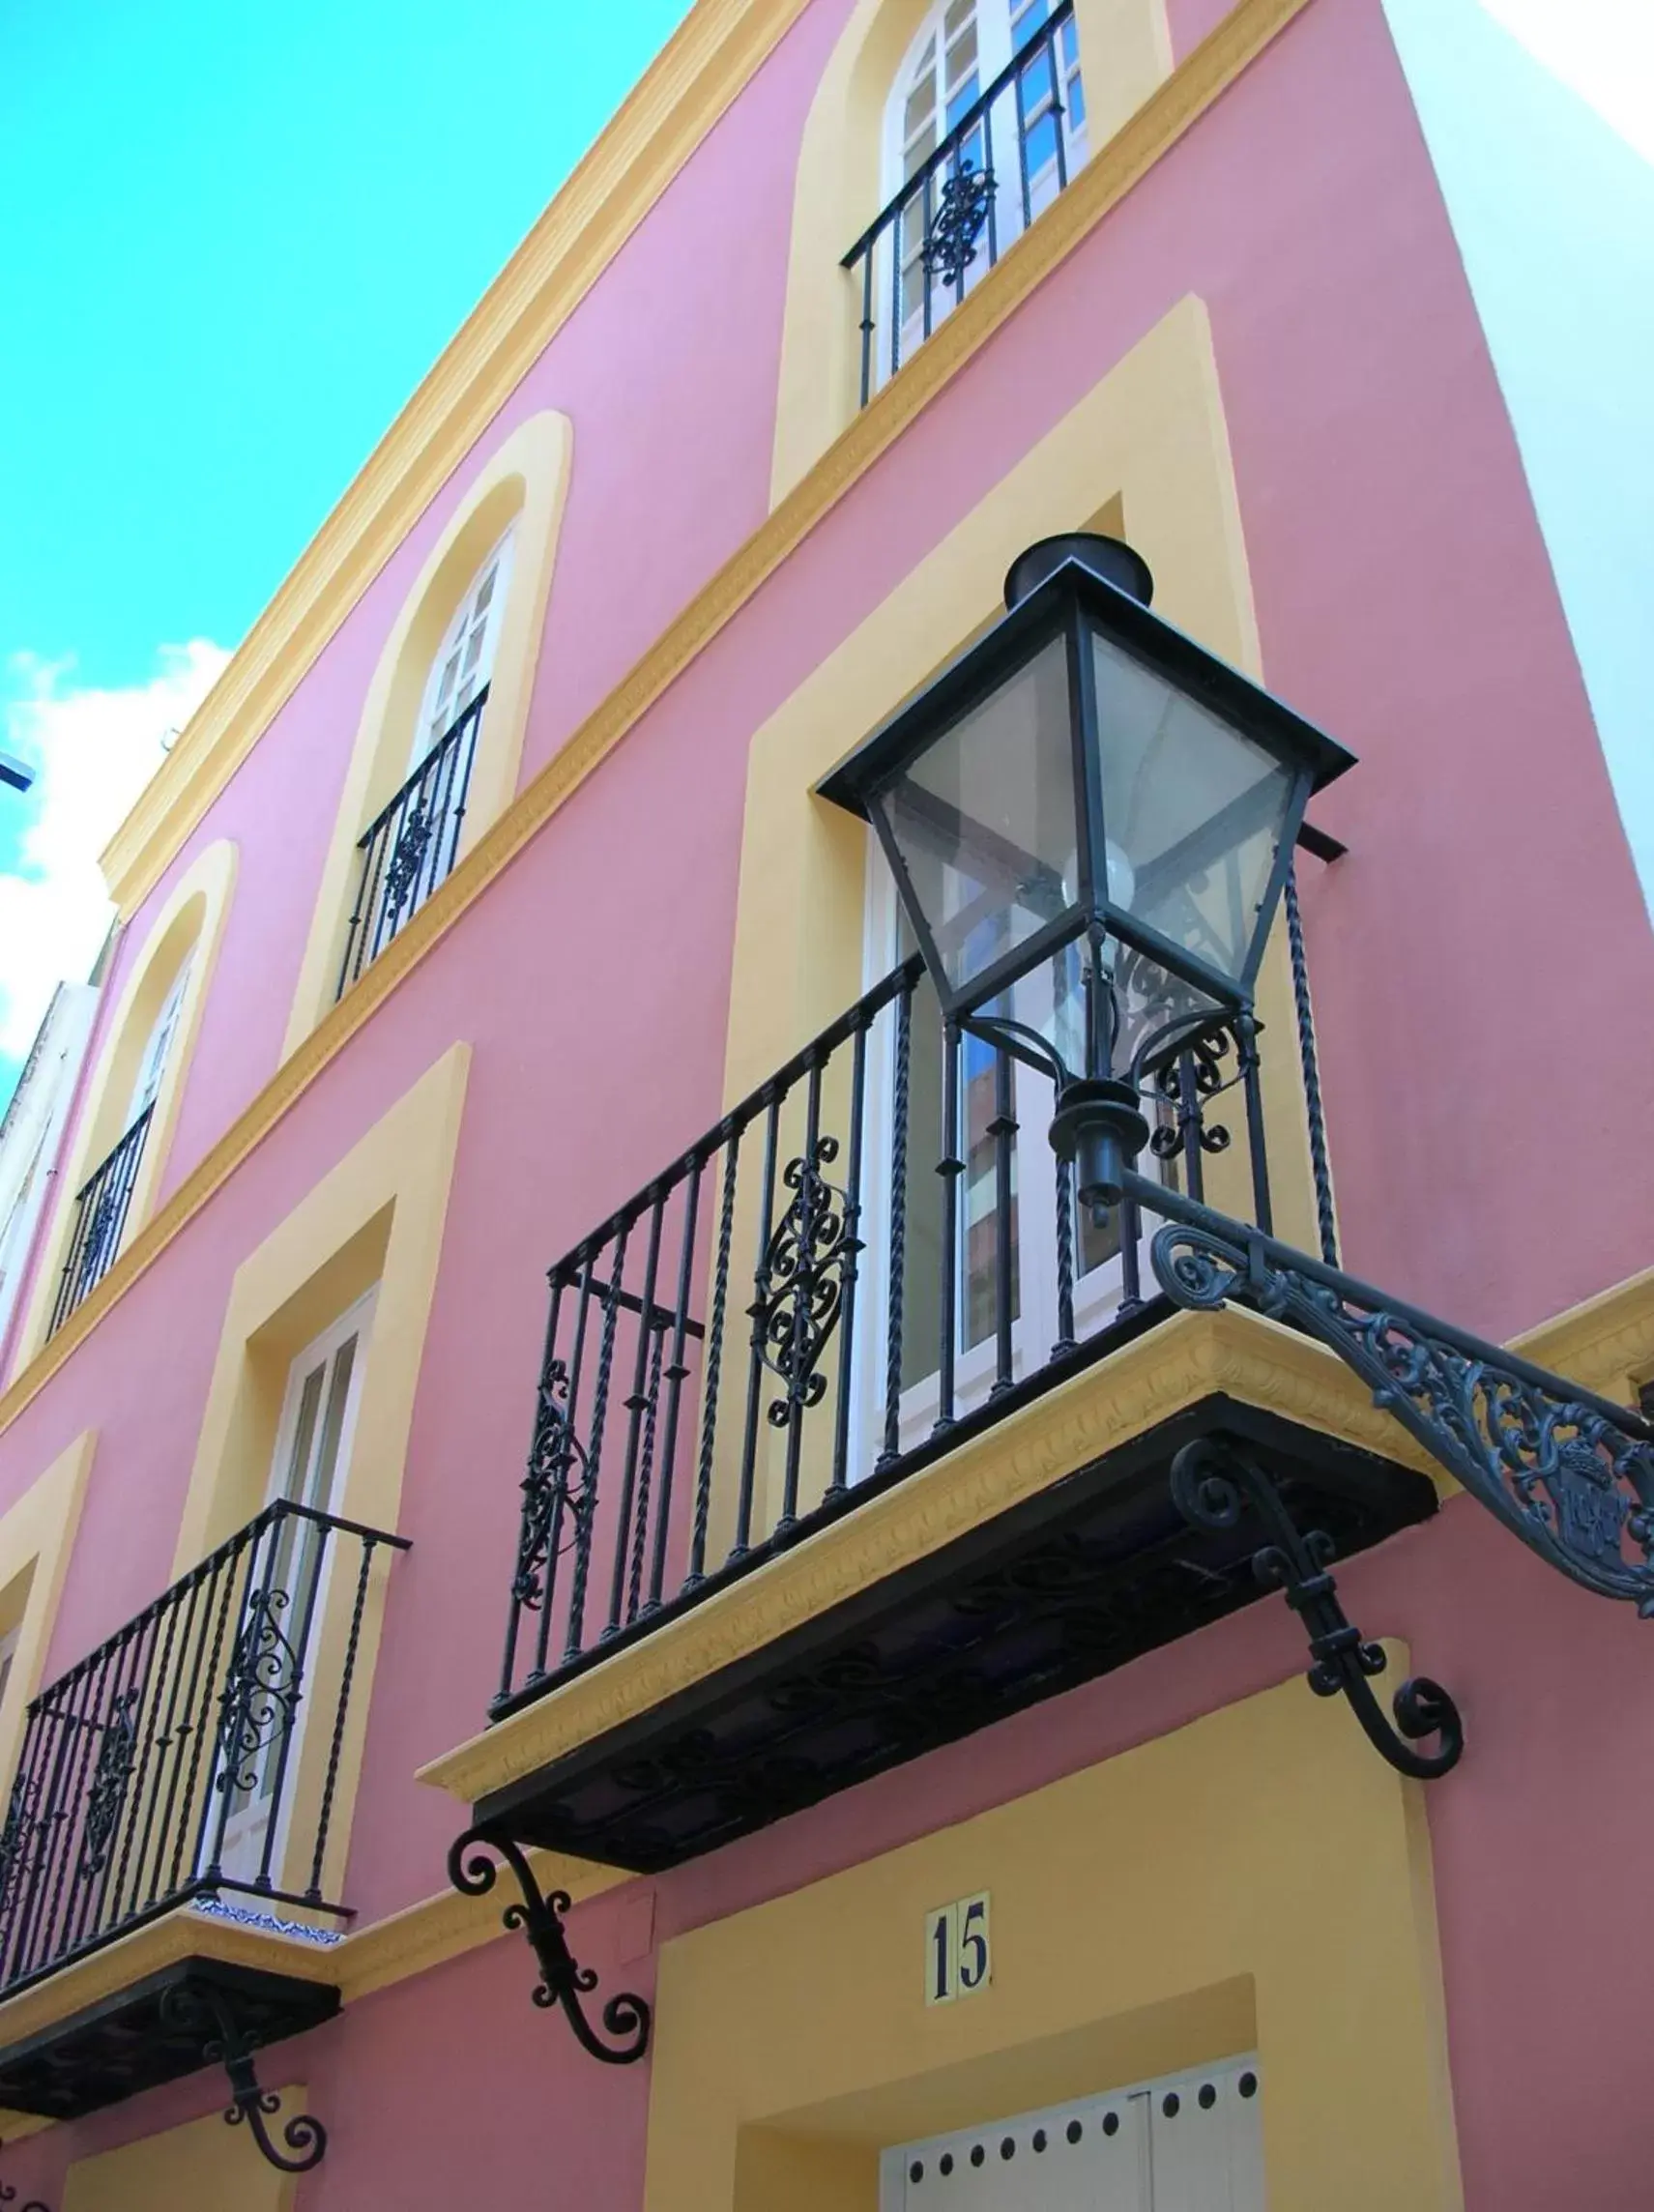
(376, 1957)
(445, 1927)
(1125, 52)
(190, 926)
(523, 484)
(1199, 80)
(37, 1535)
(1253, 1879)
(375, 1218)
(1606, 1342)
(680, 97)
(199, 2163)
(1135, 1389)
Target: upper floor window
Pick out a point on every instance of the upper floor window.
(984, 125)
(104, 1203)
(411, 843)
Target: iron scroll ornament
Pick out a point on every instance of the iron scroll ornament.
(564, 1982)
(211, 2015)
(1569, 1472)
(961, 217)
(1214, 1485)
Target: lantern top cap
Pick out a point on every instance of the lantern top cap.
(1080, 577)
(1110, 558)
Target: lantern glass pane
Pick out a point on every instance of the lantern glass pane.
(984, 820)
(1194, 812)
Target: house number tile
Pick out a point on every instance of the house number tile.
(958, 1956)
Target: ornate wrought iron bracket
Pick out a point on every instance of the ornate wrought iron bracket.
(1569, 1472)
(564, 1982)
(1214, 1486)
(211, 2015)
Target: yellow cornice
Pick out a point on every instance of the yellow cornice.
(674, 104)
(1177, 103)
(1189, 1357)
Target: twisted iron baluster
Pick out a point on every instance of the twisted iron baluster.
(714, 1359)
(898, 1238)
(595, 1449)
(1325, 1219)
(675, 1378)
(324, 1820)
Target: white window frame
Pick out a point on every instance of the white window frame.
(158, 1045)
(470, 642)
(996, 25)
(1097, 1292)
(245, 1830)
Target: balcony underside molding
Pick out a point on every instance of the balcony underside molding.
(138, 2036)
(1188, 1359)
(185, 1934)
(1086, 1574)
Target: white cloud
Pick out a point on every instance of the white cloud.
(1602, 50)
(95, 751)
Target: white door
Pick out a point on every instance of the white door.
(1189, 2142)
(286, 1593)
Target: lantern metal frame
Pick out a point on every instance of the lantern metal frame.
(1064, 590)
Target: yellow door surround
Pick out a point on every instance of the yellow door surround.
(1256, 1880)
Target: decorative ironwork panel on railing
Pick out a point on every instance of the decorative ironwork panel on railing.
(1005, 159)
(875, 1252)
(410, 846)
(197, 1750)
(101, 1209)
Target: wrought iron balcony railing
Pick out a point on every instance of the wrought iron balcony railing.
(197, 1750)
(870, 1258)
(102, 1204)
(411, 845)
(1002, 163)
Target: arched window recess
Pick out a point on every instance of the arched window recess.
(411, 843)
(104, 1200)
(984, 125)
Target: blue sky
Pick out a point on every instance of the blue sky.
(232, 240)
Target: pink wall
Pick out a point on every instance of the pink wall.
(1404, 601)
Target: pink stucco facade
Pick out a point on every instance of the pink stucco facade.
(1486, 1166)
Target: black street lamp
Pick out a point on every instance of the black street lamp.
(1089, 819)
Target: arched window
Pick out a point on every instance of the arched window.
(411, 843)
(984, 125)
(125, 1125)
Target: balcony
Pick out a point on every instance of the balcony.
(1006, 158)
(184, 1779)
(869, 1293)
(102, 1204)
(411, 843)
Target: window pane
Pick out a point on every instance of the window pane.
(327, 1458)
(293, 1475)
